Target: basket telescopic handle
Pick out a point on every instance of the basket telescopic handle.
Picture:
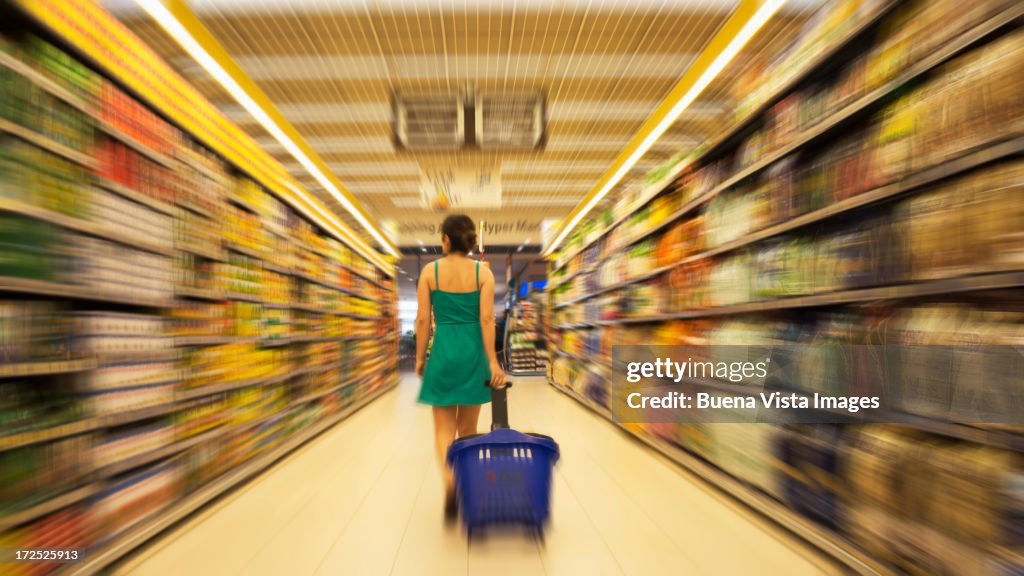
(499, 405)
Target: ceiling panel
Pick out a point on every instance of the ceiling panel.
(603, 67)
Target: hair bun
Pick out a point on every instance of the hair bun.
(461, 233)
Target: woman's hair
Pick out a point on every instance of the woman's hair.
(461, 232)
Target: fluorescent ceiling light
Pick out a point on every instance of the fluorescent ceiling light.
(763, 14)
(316, 6)
(170, 23)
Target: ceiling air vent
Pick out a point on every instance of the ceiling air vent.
(506, 121)
(434, 122)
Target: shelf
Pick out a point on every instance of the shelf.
(576, 326)
(967, 283)
(277, 269)
(129, 141)
(356, 316)
(310, 308)
(315, 369)
(617, 286)
(277, 229)
(244, 297)
(192, 160)
(817, 62)
(196, 209)
(198, 293)
(75, 291)
(626, 215)
(46, 143)
(103, 556)
(11, 519)
(165, 355)
(13, 206)
(592, 360)
(329, 285)
(64, 94)
(134, 415)
(366, 276)
(214, 340)
(221, 388)
(361, 296)
(969, 160)
(135, 196)
(304, 339)
(868, 102)
(151, 456)
(844, 116)
(136, 461)
(819, 536)
(44, 368)
(317, 395)
(244, 250)
(22, 69)
(29, 437)
(244, 204)
(204, 251)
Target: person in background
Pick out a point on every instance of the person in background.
(460, 295)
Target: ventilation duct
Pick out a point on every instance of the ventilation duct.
(432, 122)
(506, 121)
(492, 121)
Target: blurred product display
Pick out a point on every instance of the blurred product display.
(525, 351)
(167, 326)
(869, 192)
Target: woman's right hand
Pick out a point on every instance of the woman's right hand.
(497, 375)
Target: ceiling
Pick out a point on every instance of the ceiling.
(602, 66)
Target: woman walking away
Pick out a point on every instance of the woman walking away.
(460, 294)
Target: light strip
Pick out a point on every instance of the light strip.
(763, 14)
(170, 23)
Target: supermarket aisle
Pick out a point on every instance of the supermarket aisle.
(365, 499)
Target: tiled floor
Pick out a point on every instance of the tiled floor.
(365, 498)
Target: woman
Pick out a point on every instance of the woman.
(460, 293)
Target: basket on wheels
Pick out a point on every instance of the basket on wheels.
(503, 477)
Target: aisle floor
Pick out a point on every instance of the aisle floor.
(365, 498)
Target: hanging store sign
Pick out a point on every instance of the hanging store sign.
(497, 229)
(455, 188)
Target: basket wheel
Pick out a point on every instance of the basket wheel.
(475, 533)
(537, 531)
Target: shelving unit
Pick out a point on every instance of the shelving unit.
(150, 369)
(750, 232)
(525, 352)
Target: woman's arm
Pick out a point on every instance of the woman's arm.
(487, 327)
(423, 313)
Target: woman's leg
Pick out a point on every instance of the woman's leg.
(467, 419)
(445, 429)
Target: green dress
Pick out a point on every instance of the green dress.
(457, 368)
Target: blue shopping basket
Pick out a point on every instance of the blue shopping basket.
(503, 477)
